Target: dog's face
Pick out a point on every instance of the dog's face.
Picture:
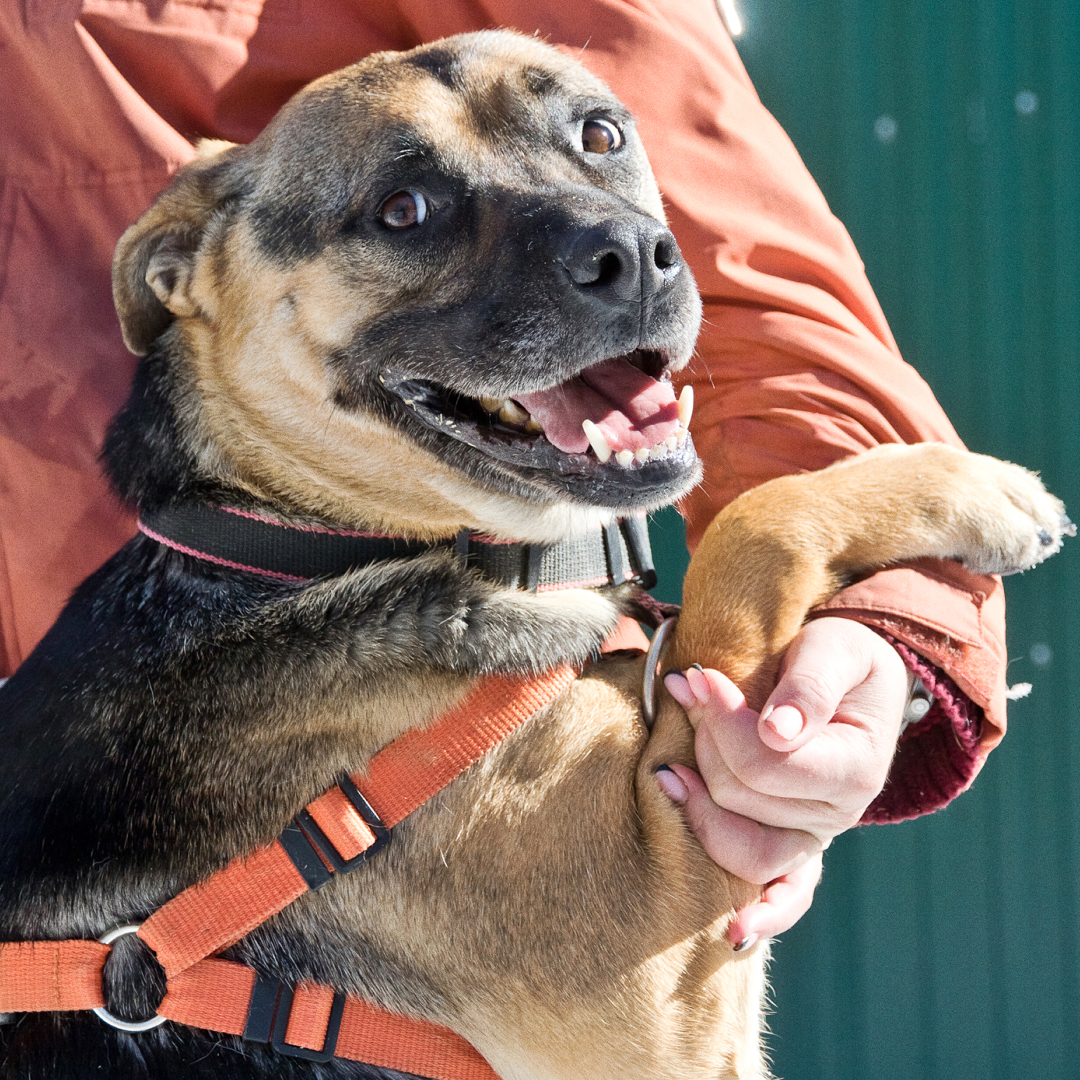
(450, 263)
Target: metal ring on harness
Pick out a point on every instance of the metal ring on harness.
(102, 1013)
(653, 658)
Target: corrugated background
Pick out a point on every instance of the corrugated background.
(945, 136)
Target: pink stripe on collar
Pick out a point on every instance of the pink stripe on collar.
(213, 558)
(309, 528)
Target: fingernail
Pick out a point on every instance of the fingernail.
(699, 685)
(671, 785)
(747, 942)
(786, 721)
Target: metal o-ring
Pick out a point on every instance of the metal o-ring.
(653, 659)
(102, 1013)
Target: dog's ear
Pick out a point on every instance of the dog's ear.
(155, 258)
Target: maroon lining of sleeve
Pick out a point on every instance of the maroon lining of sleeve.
(937, 757)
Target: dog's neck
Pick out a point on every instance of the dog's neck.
(262, 544)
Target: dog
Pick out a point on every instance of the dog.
(432, 313)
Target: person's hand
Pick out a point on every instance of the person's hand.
(780, 785)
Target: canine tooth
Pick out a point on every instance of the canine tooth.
(512, 412)
(533, 426)
(641, 455)
(597, 441)
(624, 457)
(686, 405)
(671, 442)
(492, 404)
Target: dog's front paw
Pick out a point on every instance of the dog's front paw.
(1017, 522)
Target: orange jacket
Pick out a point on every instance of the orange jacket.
(796, 366)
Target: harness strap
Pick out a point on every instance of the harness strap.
(219, 995)
(43, 976)
(333, 834)
(218, 912)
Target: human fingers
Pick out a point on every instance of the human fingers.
(708, 695)
(770, 791)
(726, 727)
(823, 785)
(744, 847)
(828, 659)
(783, 903)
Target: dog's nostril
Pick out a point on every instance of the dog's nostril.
(608, 270)
(666, 254)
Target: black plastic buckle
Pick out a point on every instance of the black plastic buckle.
(268, 1019)
(259, 1026)
(281, 1025)
(304, 857)
(635, 532)
(371, 819)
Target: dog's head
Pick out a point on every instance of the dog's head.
(450, 263)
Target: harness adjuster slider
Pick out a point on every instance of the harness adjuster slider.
(311, 850)
(268, 1018)
(281, 1025)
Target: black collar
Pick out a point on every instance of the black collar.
(260, 545)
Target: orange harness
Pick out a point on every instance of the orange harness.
(333, 834)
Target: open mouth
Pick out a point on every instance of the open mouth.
(611, 418)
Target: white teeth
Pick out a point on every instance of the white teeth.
(671, 442)
(686, 405)
(492, 404)
(641, 455)
(512, 413)
(658, 452)
(681, 437)
(597, 441)
(624, 457)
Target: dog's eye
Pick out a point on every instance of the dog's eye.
(600, 136)
(402, 209)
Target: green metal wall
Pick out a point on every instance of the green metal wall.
(945, 135)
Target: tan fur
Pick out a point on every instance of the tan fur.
(552, 906)
(812, 532)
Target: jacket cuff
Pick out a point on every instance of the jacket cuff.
(952, 618)
(938, 756)
(947, 624)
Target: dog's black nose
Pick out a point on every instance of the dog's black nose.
(622, 259)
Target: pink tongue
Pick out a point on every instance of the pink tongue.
(631, 409)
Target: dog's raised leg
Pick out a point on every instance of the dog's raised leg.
(780, 549)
